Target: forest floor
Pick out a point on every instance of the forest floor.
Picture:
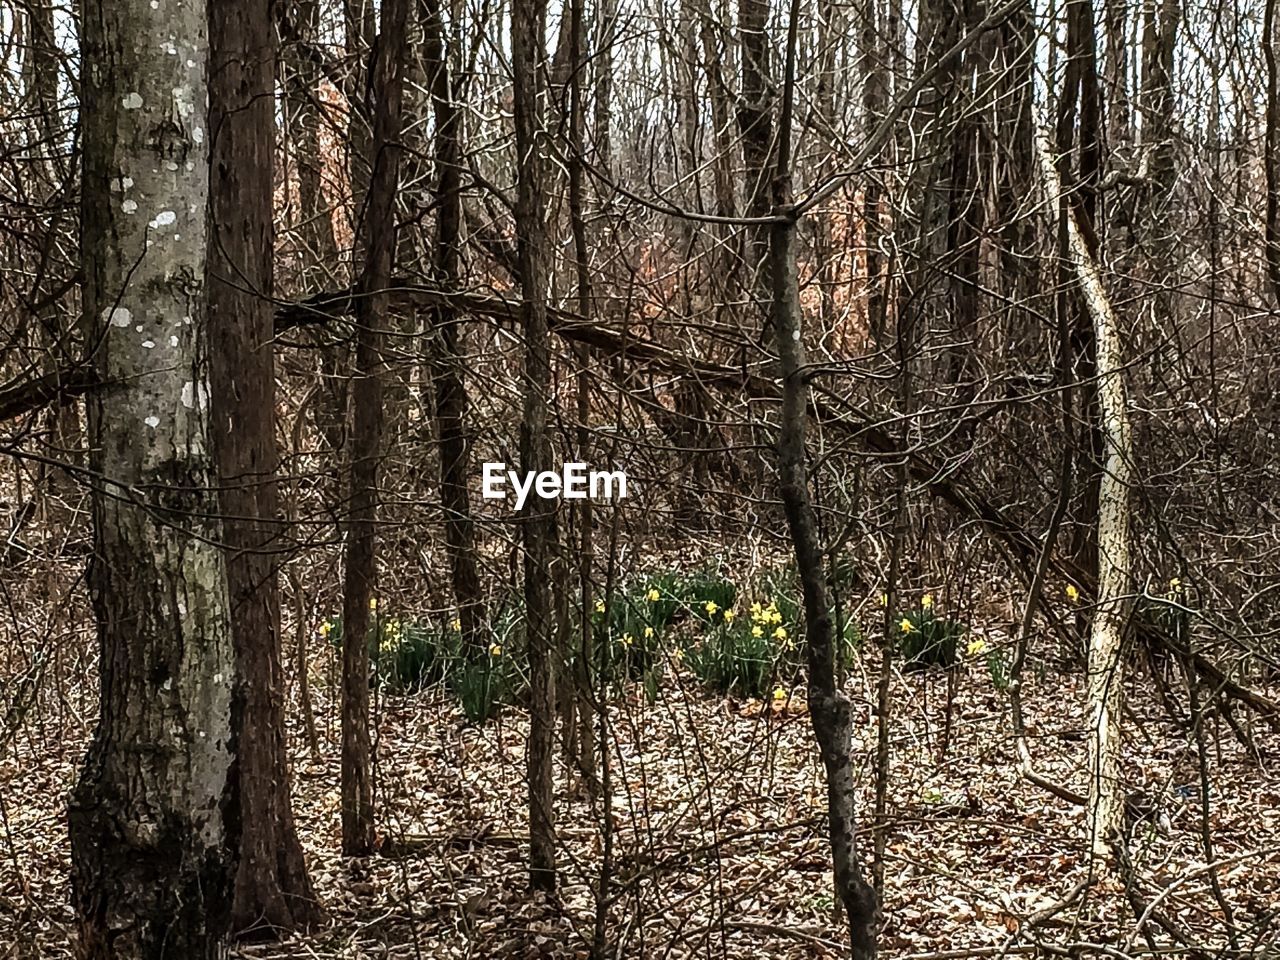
(719, 845)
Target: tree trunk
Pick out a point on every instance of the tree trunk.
(1271, 148)
(272, 889)
(829, 706)
(152, 855)
(447, 367)
(528, 53)
(1106, 641)
(755, 124)
(378, 240)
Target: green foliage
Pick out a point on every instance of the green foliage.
(736, 657)
(1169, 614)
(483, 682)
(925, 639)
(411, 654)
(707, 594)
(998, 669)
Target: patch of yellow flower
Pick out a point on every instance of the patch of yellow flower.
(390, 636)
(495, 649)
(648, 632)
(728, 616)
(373, 603)
(711, 607)
(457, 625)
(905, 625)
(766, 616)
(1072, 593)
(325, 629)
(627, 640)
(756, 631)
(779, 693)
(1175, 584)
(927, 601)
(599, 606)
(977, 646)
(780, 633)
(653, 595)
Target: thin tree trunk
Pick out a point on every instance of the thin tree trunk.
(584, 699)
(755, 125)
(528, 53)
(1106, 641)
(1271, 148)
(829, 706)
(272, 890)
(447, 366)
(152, 837)
(378, 229)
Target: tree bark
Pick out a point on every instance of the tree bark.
(272, 890)
(1106, 664)
(378, 230)
(447, 366)
(829, 706)
(528, 53)
(1271, 148)
(151, 848)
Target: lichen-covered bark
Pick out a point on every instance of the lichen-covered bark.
(1106, 641)
(150, 868)
(272, 890)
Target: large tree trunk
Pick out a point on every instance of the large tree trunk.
(528, 53)
(152, 858)
(378, 240)
(829, 706)
(272, 889)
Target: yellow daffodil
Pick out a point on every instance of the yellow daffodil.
(654, 596)
(648, 632)
(756, 610)
(780, 633)
(325, 628)
(976, 647)
(1072, 593)
(1175, 584)
(728, 616)
(599, 606)
(775, 617)
(756, 631)
(927, 601)
(627, 640)
(905, 625)
(457, 625)
(711, 607)
(495, 649)
(373, 603)
(779, 693)
(677, 654)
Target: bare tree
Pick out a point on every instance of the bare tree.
(378, 227)
(829, 705)
(528, 59)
